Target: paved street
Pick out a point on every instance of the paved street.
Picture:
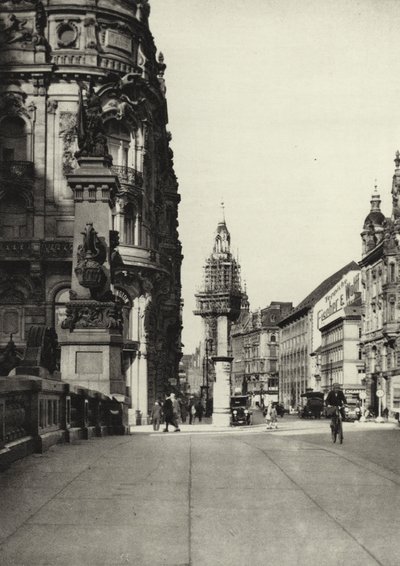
(239, 496)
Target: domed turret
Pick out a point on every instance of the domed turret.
(375, 217)
(372, 232)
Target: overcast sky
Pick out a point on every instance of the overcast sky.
(287, 111)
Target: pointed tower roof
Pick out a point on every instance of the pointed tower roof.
(222, 240)
(375, 217)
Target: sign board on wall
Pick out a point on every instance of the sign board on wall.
(341, 295)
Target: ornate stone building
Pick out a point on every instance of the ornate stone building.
(255, 349)
(380, 263)
(51, 53)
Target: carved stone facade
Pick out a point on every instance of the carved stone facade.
(380, 277)
(51, 54)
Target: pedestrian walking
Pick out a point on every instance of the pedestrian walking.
(176, 408)
(183, 408)
(169, 414)
(156, 415)
(192, 413)
(271, 417)
(199, 411)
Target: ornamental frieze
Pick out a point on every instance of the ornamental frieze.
(93, 314)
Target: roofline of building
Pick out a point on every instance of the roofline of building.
(322, 289)
(372, 256)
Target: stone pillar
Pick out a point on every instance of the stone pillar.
(222, 335)
(91, 350)
(222, 391)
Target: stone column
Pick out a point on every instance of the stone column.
(91, 350)
(222, 390)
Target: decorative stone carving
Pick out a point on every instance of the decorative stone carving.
(92, 139)
(41, 348)
(10, 358)
(91, 256)
(14, 30)
(92, 314)
(67, 34)
(68, 134)
(52, 106)
(90, 27)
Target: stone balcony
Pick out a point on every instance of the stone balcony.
(128, 176)
(136, 256)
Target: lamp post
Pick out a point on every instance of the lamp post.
(330, 373)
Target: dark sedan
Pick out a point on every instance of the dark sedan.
(240, 412)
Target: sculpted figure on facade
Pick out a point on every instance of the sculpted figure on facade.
(92, 139)
(14, 30)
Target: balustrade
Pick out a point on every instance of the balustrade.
(128, 175)
(36, 413)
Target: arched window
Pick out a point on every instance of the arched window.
(129, 225)
(119, 143)
(60, 306)
(273, 338)
(13, 139)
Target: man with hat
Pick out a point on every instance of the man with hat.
(336, 398)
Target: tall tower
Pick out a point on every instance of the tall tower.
(219, 303)
(51, 53)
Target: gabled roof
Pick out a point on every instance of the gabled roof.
(322, 289)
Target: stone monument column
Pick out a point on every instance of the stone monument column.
(222, 391)
(91, 352)
(219, 304)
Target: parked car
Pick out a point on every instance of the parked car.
(240, 410)
(314, 406)
(350, 413)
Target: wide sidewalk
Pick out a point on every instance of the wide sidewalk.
(200, 497)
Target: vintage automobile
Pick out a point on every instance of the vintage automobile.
(314, 405)
(240, 411)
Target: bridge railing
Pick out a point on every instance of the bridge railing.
(36, 413)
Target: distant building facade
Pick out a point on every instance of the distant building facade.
(299, 339)
(338, 320)
(255, 349)
(380, 268)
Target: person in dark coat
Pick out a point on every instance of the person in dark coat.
(183, 409)
(336, 398)
(199, 411)
(156, 415)
(169, 414)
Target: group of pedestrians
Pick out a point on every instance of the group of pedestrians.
(174, 411)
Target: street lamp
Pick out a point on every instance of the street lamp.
(330, 373)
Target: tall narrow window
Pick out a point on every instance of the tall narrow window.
(129, 225)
